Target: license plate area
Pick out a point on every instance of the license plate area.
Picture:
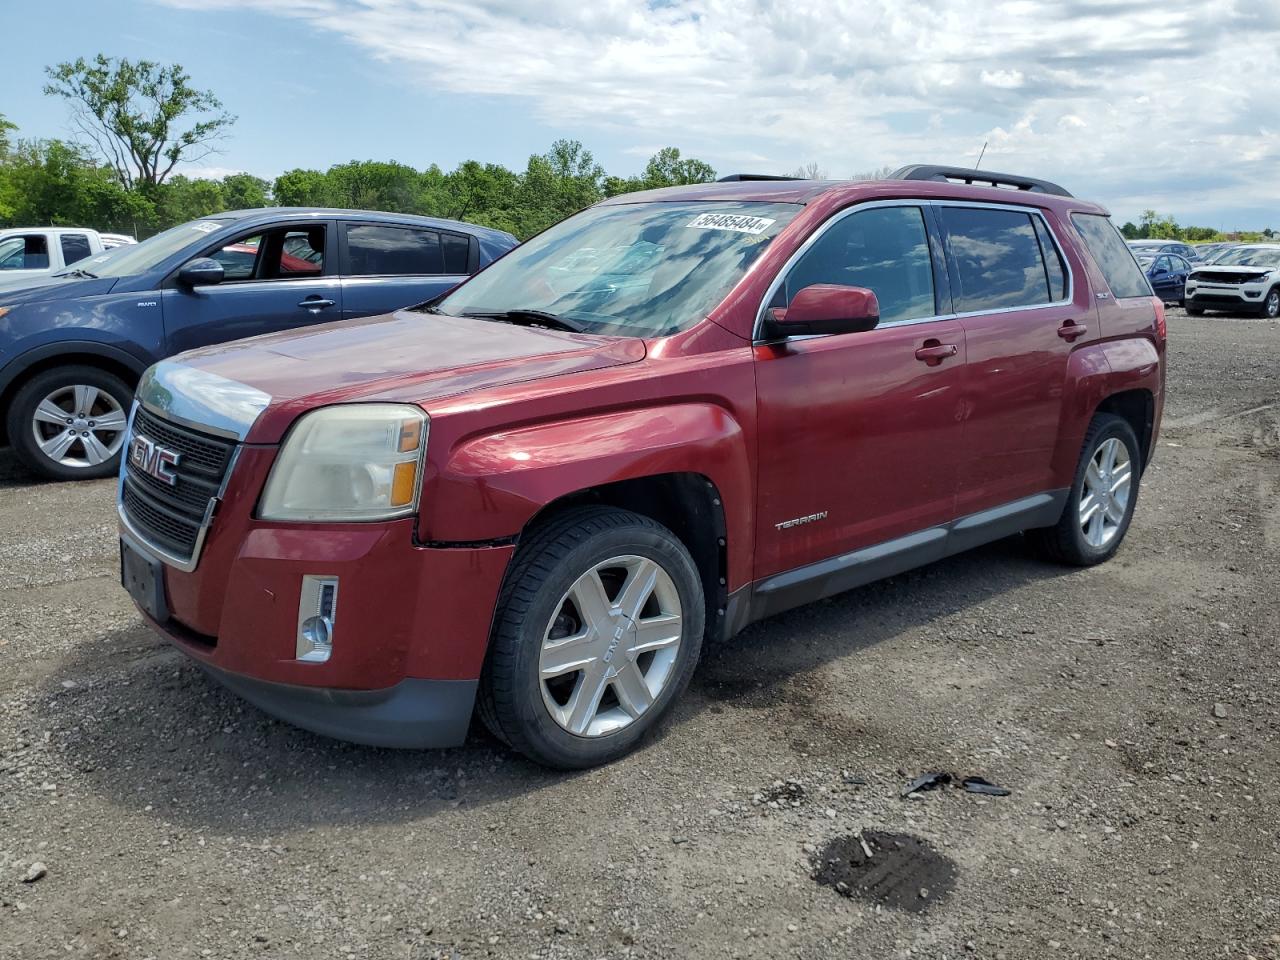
(143, 578)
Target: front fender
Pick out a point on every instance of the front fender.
(492, 485)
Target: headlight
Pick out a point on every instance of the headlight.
(359, 461)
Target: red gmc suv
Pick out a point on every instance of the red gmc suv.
(671, 415)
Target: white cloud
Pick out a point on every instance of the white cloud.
(1108, 96)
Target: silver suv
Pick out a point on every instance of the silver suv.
(1245, 279)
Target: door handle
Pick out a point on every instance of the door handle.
(933, 352)
(315, 304)
(1072, 329)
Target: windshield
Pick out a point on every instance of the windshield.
(1268, 257)
(644, 269)
(135, 258)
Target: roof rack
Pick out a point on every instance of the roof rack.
(981, 178)
(734, 177)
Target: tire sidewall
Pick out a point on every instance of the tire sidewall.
(556, 745)
(1112, 427)
(29, 395)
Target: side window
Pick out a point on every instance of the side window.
(457, 252)
(384, 250)
(1113, 258)
(238, 259)
(885, 249)
(286, 253)
(1163, 264)
(302, 253)
(1054, 267)
(24, 253)
(997, 258)
(75, 246)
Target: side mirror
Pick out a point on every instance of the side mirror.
(826, 308)
(201, 272)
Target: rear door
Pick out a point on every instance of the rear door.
(276, 278)
(388, 266)
(1012, 286)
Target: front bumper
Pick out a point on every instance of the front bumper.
(413, 713)
(1243, 297)
(409, 634)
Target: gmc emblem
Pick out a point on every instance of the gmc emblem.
(154, 460)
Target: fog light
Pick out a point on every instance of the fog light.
(317, 608)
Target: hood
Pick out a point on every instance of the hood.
(48, 287)
(406, 356)
(1222, 268)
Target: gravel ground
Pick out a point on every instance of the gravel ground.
(1132, 710)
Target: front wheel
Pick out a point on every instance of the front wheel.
(69, 423)
(1102, 498)
(1271, 306)
(598, 630)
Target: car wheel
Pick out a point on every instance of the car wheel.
(598, 630)
(1271, 306)
(69, 423)
(1102, 498)
(1195, 311)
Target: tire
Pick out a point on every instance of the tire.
(1195, 311)
(1271, 306)
(1070, 541)
(538, 606)
(89, 448)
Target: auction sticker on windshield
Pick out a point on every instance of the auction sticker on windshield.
(732, 221)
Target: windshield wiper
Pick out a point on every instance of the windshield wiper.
(531, 318)
(79, 274)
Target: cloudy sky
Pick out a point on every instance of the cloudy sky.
(1173, 105)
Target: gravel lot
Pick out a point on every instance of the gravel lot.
(1132, 709)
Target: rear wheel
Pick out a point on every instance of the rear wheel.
(598, 631)
(69, 423)
(1102, 498)
(1195, 311)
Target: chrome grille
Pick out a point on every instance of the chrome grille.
(172, 517)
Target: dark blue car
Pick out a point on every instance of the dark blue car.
(73, 347)
(1168, 274)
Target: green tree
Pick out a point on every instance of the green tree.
(301, 188)
(1130, 231)
(183, 199)
(5, 127)
(243, 191)
(136, 114)
(665, 168)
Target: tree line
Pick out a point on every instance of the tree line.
(137, 121)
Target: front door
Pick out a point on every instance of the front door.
(275, 279)
(859, 434)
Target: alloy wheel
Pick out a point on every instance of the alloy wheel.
(1273, 303)
(611, 646)
(79, 426)
(1104, 501)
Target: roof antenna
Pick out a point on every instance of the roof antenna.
(981, 155)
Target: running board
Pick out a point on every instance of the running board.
(826, 578)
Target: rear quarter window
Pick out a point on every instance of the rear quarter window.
(1113, 257)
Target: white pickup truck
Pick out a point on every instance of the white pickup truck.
(35, 252)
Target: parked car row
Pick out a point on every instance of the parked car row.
(1233, 277)
(675, 413)
(73, 343)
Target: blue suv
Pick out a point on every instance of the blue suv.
(73, 347)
